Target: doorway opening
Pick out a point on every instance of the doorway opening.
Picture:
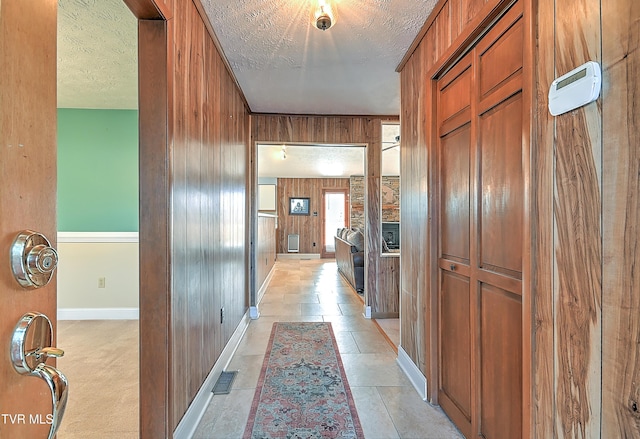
(335, 207)
(98, 205)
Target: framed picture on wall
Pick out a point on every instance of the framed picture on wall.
(298, 206)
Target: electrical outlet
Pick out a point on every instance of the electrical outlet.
(102, 282)
(221, 315)
(314, 244)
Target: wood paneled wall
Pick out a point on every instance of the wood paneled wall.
(584, 200)
(588, 292)
(308, 227)
(621, 219)
(266, 248)
(193, 180)
(359, 130)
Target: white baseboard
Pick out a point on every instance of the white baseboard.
(298, 256)
(187, 426)
(98, 313)
(413, 373)
(265, 284)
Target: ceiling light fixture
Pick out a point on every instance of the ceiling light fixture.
(323, 16)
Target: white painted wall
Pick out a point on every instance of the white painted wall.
(84, 258)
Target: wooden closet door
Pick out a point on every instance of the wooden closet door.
(455, 300)
(481, 222)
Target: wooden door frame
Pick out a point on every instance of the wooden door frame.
(155, 114)
(531, 227)
(347, 203)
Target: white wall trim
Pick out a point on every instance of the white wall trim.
(265, 284)
(413, 373)
(187, 426)
(97, 237)
(98, 313)
(298, 256)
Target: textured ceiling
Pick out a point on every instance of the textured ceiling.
(97, 55)
(284, 64)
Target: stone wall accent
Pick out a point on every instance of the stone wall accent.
(390, 198)
(356, 183)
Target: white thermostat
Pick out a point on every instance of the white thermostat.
(575, 89)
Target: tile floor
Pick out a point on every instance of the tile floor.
(312, 290)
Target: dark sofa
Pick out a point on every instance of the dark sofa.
(350, 257)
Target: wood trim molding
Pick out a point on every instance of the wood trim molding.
(146, 10)
(155, 247)
(97, 237)
(98, 313)
(383, 118)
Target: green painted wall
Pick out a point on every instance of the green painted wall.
(97, 170)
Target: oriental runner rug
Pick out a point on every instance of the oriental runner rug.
(303, 391)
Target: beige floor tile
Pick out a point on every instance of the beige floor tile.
(340, 298)
(300, 298)
(320, 309)
(278, 309)
(369, 370)
(226, 416)
(414, 418)
(374, 418)
(350, 323)
(391, 328)
(346, 343)
(248, 368)
(272, 298)
(352, 309)
(371, 342)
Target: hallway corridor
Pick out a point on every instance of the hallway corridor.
(313, 291)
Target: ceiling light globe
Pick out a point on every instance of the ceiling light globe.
(323, 22)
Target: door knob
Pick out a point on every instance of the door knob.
(33, 260)
(30, 349)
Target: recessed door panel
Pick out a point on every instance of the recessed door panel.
(455, 93)
(501, 59)
(455, 341)
(501, 188)
(454, 171)
(501, 363)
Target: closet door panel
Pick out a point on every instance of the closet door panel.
(454, 172)
(501, 186)
(501, 363)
